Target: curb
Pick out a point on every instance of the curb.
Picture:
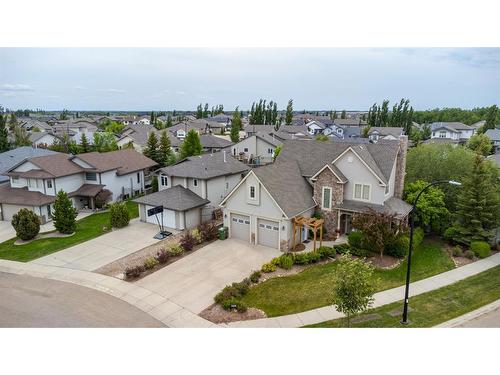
(470, 316)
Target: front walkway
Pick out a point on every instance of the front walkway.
(194, 280)
(382, 298)
(99, 251)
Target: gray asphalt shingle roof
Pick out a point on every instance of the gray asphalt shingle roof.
(11, 158)
(206, 166)
(176, 198)
(494, 134)
(284, 181)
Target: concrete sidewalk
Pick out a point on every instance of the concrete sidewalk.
(159, 307)
(382, 298)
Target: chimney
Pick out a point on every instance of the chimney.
(224, 153)
(399, 182)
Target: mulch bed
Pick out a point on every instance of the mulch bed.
(386, 262)
(216, 314)
(298, 248)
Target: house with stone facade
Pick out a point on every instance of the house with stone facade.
(332, 179)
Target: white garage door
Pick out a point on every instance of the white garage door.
(168, 218)
(240, 227)
(268, 233)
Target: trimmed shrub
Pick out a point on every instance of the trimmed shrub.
(242, 287)
(457, 251)
(150, 263)
(275, 261)
(450, 234)
(255, 276)
(119, 216)
(285, 262)
(208, 231)
(398, 248)
(175, 250)
(64, 215)
(360, 252)
(162, 256)
(187, 241)
(480, 249)
(342, 248)
(469, 254)
(355, 239)
(133, 272)
(301, 258)
(268, 267)
(26, 223)
(233, 303)
(313, 257)
(327, 252)
(197, 235)
(235, 290)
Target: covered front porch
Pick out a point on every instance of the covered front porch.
(90, 197)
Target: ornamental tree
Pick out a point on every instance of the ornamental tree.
(64, 214)
(353, 286)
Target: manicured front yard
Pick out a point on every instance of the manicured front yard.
(312, 288)
(432, 308)
(86, 229)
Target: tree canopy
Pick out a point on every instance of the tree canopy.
(191, 145)
(481, 144)
(430, 206)
(289, 113)
(236, 125)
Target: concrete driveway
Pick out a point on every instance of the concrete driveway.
(193, 281)
(104, 249)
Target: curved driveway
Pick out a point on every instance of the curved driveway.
(34, 302)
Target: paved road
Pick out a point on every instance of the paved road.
(487, 320)
(27, 301)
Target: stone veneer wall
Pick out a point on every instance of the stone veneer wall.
(328, 179)
(399, 182)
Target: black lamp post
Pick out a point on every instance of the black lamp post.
(412, 225)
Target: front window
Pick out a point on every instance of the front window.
(195, 182)
(269, 150)
(245, 149)
(138, 177)
(49, 184)
(442, 134)
(91, 176)
(326, 200)
(362, 192)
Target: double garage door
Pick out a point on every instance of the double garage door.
(168, 217)
(267, 230)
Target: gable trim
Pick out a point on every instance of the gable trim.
(362, 161)
(315, 176)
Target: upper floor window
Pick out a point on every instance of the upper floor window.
(15, 180)
(164, 180)
(269, 150)
(138, 177)
(442, 134)
(91, 176)
(33, 183)
(252, 192)
(245, 149)
(326, 200)
(195, 182)
(49, 184)
(362, 192)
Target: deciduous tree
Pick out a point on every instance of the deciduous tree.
(289, 112)
(236, 125)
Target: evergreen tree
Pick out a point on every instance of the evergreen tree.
(289, 112)
(191, 145)
(236, 125)
(165, 150)
(477, 207)
(152, 119)
(491, 118)
(21, 136)
(343, 115)
(169, 121)
(205, 111)
(64, 115)
(64, 214)
(4, 141)
(199, 111)
(151, 149)
(84, 143)
(12, 121)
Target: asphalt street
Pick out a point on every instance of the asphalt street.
(27, 301)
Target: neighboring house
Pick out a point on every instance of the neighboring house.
(210, 176)
(284, 131)
(456, 131)
(377, 133)
(334, 179)
(478, 124)
(35, 181)
(181, 208)
(212, 143)
(75, 129)
(181, 129)
(30, 124)
(315, 127)
(42, 139)
(137, 136)
(10, 158)
(494, 135)
(256, 149)
(495, 158)
(144, 120)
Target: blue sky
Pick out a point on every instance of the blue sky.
(166, 79)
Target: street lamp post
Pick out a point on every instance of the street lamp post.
(410, 250)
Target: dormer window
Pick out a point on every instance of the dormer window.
(252, 192)
(164, 180)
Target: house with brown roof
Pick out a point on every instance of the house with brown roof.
(332, 179)
(35, 181)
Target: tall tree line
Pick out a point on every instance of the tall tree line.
(400, 116)
(264, 113)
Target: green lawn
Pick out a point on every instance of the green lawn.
(312, 287)
(86, 229)
(438, 306)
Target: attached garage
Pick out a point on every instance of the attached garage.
(240, 227)
(268, 233)
(168, 217)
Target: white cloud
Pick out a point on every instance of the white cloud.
(112, 90)
(15, 87)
